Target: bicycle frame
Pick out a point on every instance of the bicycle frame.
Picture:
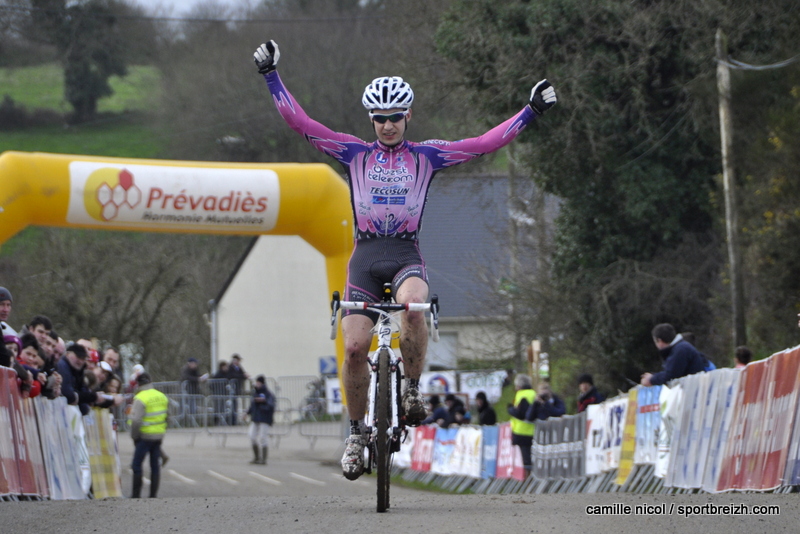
(383, 421)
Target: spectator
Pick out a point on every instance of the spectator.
(135, 372)
(742, 357)
(71, 368)
(219, 391)
(237, 376)
(148, 427)
(589, 394)
(13, 344)
(439, 413)
(191, 377)
(237, 373)
(113, 385)
(262, 410)
(32, 361)
(111, 356)
(547, 404)
(104, 374)
(456, 409)
(680, 357)
(522, 430)
(486, 413)
(59, 350)
(40, 327)
(5, 312)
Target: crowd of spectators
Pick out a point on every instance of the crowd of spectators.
(49, 366)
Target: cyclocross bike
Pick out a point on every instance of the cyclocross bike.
(385, 424)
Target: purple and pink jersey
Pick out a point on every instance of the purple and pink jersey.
(389, 185)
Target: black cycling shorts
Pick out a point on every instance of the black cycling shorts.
(375, 262)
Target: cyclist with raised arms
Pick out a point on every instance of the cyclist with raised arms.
(389, 180)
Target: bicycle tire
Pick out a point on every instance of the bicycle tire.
(383, 443)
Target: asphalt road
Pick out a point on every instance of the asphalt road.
(208, 488)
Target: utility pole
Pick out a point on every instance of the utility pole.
(731, 215)
(513, 228)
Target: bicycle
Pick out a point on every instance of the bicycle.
(385, 424)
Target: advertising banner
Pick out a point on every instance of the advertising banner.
(9, 470)
(628, 438)
(671, 401)
(648, 421)
(595, 423)
(443, 449)
(781, 407)
(726, 389)
(402, 458)
(757, 451)
(60, 454)
(490, 383)
(100, 442)
(491, 435)
(439, 382)
(466, 459)
(28, 416)
(738, 459)
(509, 457)
(685, 436)
(613, 428)
(422, 454)
(333, 395)
(163, 197)
(792, 472)
(27, 474)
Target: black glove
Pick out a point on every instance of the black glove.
(267, 56)
(543, 97)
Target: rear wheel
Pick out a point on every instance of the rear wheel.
(383, 441)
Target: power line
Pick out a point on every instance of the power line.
(25, 9)
(738, 65)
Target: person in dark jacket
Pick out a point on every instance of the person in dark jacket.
(486, 414)
(547, 404)
(439, 413)
(589, 394)
(262, 411)
(73, 387)
(679, 356)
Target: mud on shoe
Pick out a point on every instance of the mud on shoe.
(413, 404)
(353, 459)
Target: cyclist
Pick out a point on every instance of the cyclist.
(389, 180)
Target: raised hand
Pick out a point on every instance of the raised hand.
(267, 56)
(543, 97)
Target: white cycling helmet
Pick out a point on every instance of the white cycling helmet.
(389, 92)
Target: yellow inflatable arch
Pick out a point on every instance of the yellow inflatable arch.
(307, 200)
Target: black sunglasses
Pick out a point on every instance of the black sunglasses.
(394, 117)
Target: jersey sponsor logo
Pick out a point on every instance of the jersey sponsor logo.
(377, 199)
(381, 157)
(397, 201)
(389, 190)
(389, 176)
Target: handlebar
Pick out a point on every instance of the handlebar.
(432, 306)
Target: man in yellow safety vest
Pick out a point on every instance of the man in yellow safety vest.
(522, 430)
(148, 423)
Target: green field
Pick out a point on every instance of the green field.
(122, 130)
(42, 87)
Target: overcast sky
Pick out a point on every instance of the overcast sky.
(179, 8)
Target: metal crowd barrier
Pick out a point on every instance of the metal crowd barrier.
(218, 407)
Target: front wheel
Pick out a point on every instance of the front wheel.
(383, 442)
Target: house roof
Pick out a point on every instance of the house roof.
(463, 240)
